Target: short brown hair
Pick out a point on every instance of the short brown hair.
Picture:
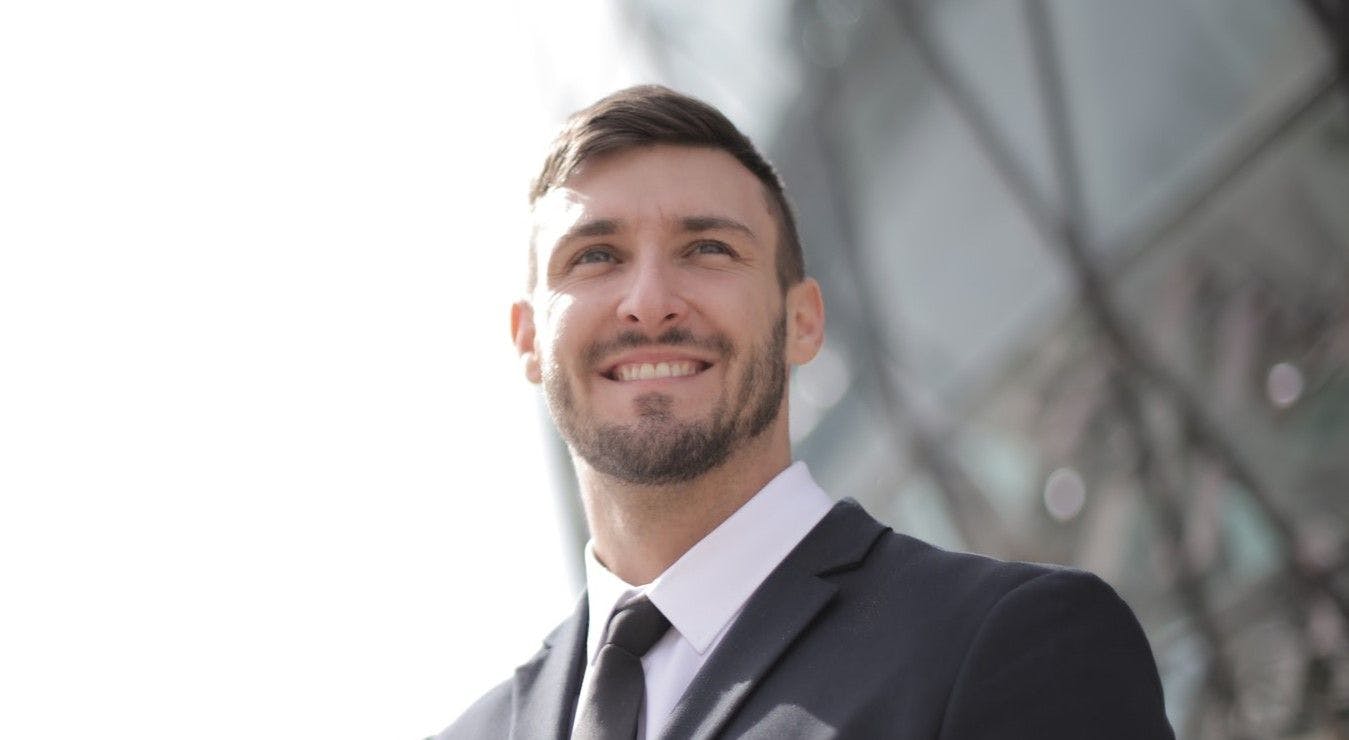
(647, 115)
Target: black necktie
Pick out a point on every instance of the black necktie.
(609, 711)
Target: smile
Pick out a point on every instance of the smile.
(655, 370)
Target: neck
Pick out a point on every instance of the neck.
(640, 531)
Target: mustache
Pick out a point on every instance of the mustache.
(676, 337)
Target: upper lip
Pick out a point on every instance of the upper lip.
(652, 356)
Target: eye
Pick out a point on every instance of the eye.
(712, 247)
(594, 256)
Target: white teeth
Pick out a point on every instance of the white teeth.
(652, 371)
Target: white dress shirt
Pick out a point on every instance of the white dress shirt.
(703, 592)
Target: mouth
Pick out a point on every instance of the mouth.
(631, 370)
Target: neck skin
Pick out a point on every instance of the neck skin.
(640, 531)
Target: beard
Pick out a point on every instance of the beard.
(659, 448)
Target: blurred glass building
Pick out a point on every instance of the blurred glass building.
(1087, 272)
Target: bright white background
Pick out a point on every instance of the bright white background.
(268, 467)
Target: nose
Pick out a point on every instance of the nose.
(652, 301)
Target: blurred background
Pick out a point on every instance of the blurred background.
(267, 459)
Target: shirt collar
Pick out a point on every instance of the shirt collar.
(703, 590)
(605, 592)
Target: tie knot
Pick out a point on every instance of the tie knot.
(637, 626)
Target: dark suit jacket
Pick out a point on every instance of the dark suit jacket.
(864, 633)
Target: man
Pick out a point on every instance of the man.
(727, 596)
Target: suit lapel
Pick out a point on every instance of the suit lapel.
(544, 693)
(776, 615)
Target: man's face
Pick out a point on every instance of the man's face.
(657, 326)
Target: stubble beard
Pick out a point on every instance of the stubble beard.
(661, 449)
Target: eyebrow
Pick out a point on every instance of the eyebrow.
(692, 224)
(597, 227)
(715, 223)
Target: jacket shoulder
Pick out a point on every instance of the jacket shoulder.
(1052, 652)
(488, 717)
(851, 540)
(529, 702)
(967, 582)
(1010, 649)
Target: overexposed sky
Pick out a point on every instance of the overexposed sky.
(268, 465)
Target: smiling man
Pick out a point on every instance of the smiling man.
(727, 595)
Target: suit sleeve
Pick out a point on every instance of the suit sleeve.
(1059, 656)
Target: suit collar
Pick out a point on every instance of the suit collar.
(544, 694)
(773, 618)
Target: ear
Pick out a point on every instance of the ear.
(805, 321)
(522, 333)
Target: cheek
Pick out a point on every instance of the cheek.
(751, 321)
(561, 334)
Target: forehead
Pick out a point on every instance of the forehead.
(654, 186)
